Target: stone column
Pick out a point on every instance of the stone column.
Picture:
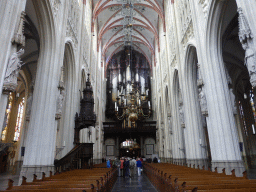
(40, 145)
(223, 135)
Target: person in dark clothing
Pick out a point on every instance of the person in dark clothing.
(139, 166)
(122, 167)
(126, 167)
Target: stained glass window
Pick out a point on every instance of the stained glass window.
(7, 116)
(253, 109)
(252, 104)
(19, 120)
(243, 118)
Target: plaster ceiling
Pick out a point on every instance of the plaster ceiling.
(146, 14)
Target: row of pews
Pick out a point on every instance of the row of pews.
(173, 178)
(79, 180)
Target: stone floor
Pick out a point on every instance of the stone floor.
(135, 184)
(251, 173)
(4, 180)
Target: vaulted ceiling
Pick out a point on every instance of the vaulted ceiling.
(109, 17)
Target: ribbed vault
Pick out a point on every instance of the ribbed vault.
(107, 14)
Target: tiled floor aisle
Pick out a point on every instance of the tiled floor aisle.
(136, 184)
(4, 180)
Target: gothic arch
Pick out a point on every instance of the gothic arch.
(196, 154)
(70, 88)
(178, 140)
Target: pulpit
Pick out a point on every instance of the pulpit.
(86, 117)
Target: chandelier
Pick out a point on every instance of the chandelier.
(131, 105)
(127, 12)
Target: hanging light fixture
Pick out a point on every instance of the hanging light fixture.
(131, 103)
(132, 106)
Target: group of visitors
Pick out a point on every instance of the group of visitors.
(127, 167)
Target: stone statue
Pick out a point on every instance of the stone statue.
(12, 70)
(60, 101)
(246, 39)
(170, 124)
(29, 104)
(181, 115)
(250, 62)
(13, 65)
(180, 97)
(233, 101)
(202, 101)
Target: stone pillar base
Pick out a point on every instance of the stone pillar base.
(28, 171)
(229, 166)
(200, 162)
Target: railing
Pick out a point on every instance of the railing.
(4, 147)
(3, 156)
(160, 181)
(116, 127)
(80, 157)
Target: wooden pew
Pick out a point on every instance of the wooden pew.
(99, 179)
(189, 179)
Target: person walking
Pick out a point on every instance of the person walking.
(126, 167)
(109, 163)
(117, 164)
(132, 167)
(139, 165)
(122, 166)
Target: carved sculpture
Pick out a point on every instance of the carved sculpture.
(170, 124)
(29, 104)
(200, 82)
(203, 102)
(233, 101)
(60, 102)
(250, 62)
(12, 71)
(246, 39)
(204, 4)
(29, 101)
(19, 37)
(181, 115)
